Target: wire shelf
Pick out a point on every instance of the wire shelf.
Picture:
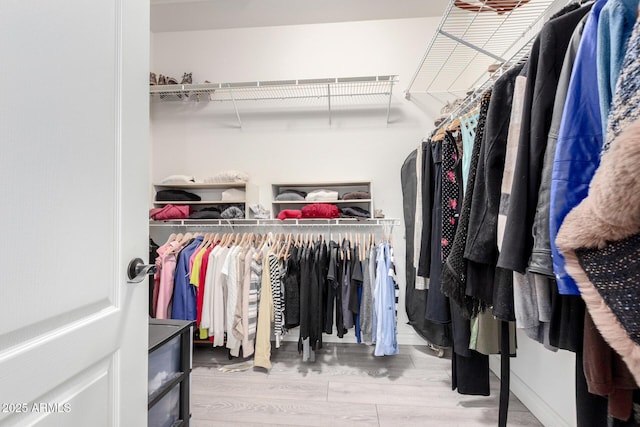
(329, 91)
(467, 43)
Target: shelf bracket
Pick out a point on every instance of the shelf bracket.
(329, 102)
(389, 104)
(235, 106)
(472, 46)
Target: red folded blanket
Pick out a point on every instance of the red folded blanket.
(320, 210)
(290, 213)
(169, 212)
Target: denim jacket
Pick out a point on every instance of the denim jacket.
(614, 29)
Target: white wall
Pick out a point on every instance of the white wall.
(293, 142)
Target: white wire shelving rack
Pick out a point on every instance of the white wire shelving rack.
(374, 89)
(467, 42)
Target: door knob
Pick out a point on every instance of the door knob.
(138, 270)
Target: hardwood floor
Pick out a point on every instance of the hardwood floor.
(345, 386)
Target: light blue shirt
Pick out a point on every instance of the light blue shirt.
(469, 124)
(615, 25)
(384, 301)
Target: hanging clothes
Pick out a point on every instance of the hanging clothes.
(563, 331)
(292, 289)
(415, 298)
(385, 336)
(602, 244)
(615, 25)
(437, 303)
(579, 143)
(468, 126)
(262, 357)
(481, 247)
(454, 275)
(544, 66)
(184, 294)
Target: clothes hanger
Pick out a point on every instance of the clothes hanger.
(348, 249)
(283, 247)
(471, 113)
(202, 244)
(286, 254)
(186, 238)
(439, 135)
(171, 238)
(455, 124)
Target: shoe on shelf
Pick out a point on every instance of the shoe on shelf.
(186, 78)
(162, 80)
(259, 212)
(171, 81)
(152, 79)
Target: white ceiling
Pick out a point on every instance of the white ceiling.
(188, 15)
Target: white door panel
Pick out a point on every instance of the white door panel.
(74, 179)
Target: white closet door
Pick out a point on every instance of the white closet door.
(74, 179)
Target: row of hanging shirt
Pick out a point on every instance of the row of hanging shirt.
(245, 289)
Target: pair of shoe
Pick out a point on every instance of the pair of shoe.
(165, 80)
(161, 80)
(259, 212)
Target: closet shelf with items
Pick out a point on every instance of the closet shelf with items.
(196, 201)
(471, 40)
(294, 200)
(370, 89)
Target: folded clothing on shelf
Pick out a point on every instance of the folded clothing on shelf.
(178, 179)
(290, 196)
(176, 196)
(290, 213)
(322, 196)
(320, 210)
(233, 194)
(206, 213)
(232, 212)
(355, 212)
(169, 212)
(354, 195)
(227, 176)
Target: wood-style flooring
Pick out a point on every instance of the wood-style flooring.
(345, 386)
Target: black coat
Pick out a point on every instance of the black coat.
(541, 262)
(545, 65)
(416, 300)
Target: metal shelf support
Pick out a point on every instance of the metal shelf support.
(235, 106)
